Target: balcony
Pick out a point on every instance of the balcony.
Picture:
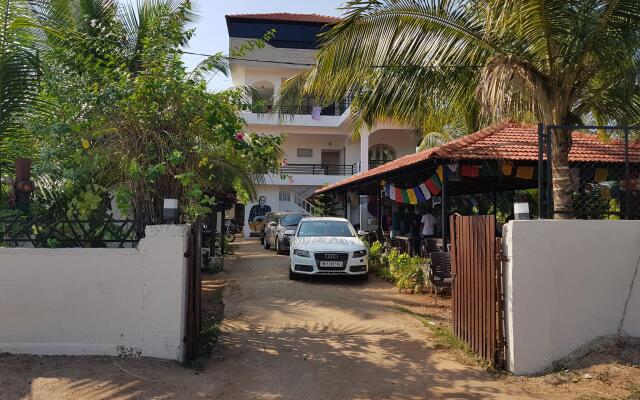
(306, 108)
(319, 169)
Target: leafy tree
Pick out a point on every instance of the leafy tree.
(559, 62)
(19, 73)
(131, 121)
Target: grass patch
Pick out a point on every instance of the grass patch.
(209, 336)
(444, 338)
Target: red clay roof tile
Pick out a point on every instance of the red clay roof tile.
(503, 141)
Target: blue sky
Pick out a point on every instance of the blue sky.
(211, 29)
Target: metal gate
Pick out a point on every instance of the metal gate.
(194, 282)
(477, 285)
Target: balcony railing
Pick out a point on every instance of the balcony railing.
(319, 169)
(306, 108)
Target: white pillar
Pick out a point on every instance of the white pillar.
(364, 150)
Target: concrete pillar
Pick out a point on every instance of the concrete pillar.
(364, 150)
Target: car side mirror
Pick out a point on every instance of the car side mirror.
(362, 233)
(272, 224)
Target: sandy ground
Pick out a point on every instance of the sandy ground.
(311, 339)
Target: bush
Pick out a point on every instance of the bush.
(399, 268)
(406, 271)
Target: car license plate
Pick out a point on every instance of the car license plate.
(331, 263)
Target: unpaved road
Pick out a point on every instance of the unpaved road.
(312, 339)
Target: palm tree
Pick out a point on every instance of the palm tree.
(559, 62)
(19, 73)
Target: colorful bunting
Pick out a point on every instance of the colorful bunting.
(425, 192)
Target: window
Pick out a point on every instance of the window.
(305, 152)
(326, 228)
(285, 195)
(382, 152)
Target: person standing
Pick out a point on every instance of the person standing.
(428, 222)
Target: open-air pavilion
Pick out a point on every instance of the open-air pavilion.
(504, 157)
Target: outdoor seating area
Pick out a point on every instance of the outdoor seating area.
(486, 173)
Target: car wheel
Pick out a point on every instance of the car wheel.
(279, 247)
(266, 244)
(293, 276)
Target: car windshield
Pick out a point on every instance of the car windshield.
(291, 219)
(325, 228)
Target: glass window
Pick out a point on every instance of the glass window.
(382, 152)
(291, 219)
(305, 153)
(326, 228)
(285, 195)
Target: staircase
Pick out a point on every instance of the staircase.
(305, 205)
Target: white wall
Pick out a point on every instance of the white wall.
(96, 301)
(566, 283)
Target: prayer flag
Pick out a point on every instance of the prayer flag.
(471, 171)
(399, 196)
(434, 185)
(412, 196)
(440, 173)
(392, 192)
(405, 196)
(525, 172)
(601, 175)
(425, 191)
(507, 168)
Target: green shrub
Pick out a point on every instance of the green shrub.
(406, 270)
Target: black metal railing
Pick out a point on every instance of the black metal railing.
(320, 169)
(40, 233)
(306, 108)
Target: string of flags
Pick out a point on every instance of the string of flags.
(432, 187)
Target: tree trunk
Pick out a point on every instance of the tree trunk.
(561, 174)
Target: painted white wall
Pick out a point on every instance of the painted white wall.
(566, 283)
(96, 301)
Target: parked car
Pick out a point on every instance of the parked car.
(268, 217)
(327, 246)
(280, 230)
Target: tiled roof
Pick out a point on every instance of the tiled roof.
(310, 18)
(503, 141)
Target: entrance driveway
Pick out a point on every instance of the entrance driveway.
(302, 340)
(331, 339)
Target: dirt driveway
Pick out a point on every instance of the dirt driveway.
(312, 339)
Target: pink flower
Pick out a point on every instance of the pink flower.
(240, 137)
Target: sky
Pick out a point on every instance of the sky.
(211, 29)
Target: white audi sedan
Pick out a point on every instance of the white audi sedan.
(327, 246)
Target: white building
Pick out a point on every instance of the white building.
(319, 149)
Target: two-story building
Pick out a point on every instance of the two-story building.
(319, 146)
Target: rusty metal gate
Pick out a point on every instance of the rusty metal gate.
(194, 282)
(477, 285)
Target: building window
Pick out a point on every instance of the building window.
(285, 195)
(305, 153)
(380, 154)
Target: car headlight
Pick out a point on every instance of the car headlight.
(301, 253)
(289, 232)
(359, 253)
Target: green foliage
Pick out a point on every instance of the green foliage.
(130, 121)
(404, 271)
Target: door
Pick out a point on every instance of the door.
(330, 160)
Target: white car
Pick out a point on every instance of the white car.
(327, 246)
